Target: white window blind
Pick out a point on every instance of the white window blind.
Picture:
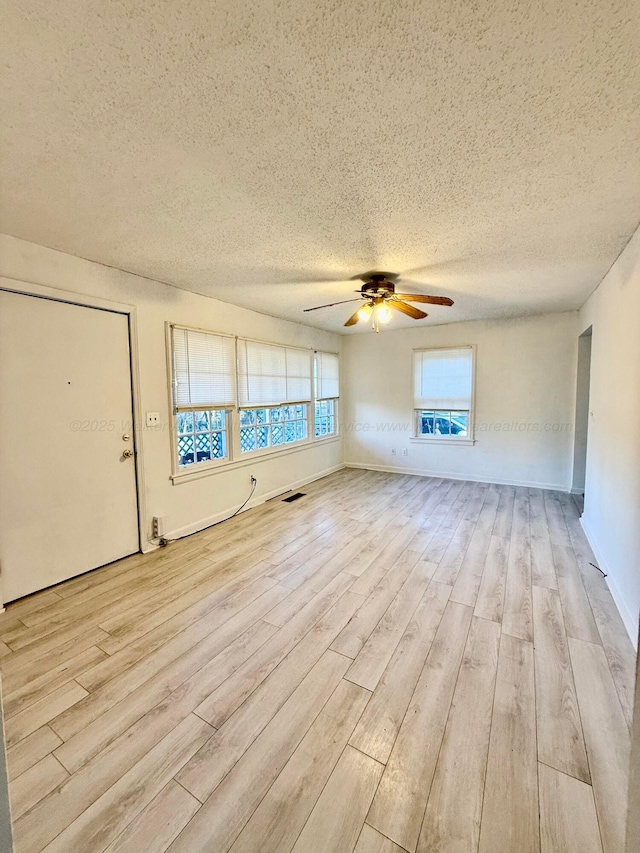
(269, 375)
(204, 370)
(443, 379)
(327, 376)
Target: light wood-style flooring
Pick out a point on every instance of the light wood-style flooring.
(391, 663)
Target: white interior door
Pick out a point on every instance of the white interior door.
(68, 499)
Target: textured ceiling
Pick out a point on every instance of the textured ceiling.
(251, 150)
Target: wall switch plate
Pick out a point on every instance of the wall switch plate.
(405, 452)
(393, 451)
(153, 419)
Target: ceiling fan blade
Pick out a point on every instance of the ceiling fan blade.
(409, 310)
(353, 319)
(331, 304)
(418, 297)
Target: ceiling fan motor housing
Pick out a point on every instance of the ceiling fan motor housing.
(378, 286)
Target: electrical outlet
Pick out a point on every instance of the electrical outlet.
(153, 419)
(393, 451)
(405, 452)
(158, 526)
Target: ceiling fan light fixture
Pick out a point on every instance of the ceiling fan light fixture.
(364, 313)
(383, 314)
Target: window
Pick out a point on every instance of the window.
(325, 417)
(272, 427)
(443, 393)
(270, 375)
(327, 390)
(204, 395)
(274, 385)
(235, 397)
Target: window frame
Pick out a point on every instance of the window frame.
(433, 438)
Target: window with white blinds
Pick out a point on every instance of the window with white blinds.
(443, 379)
(270, 375)
(327, 376)
(204, 370)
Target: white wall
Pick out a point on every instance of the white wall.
(188, 505)
(525, 401)
(612, 488)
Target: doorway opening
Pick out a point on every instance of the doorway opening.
(581, 434)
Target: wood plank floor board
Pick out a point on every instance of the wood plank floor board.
(377, 730)
(112, 746)
(504, 514)
(372, 660)
(607, 739)
(240, 608)
(371, 841)
(578, 617)
(510, 806)
(454, 807)
(467, 583)
(517, 616)
(400, 801)
(568, 821)
(40, 687)
(111, 813)
(373, 574)
(556, 523)
(30, 750)
(195, 675)
(153, 830)
(542, 568)
(227, 810)
(618, 649)
(186, 652)
(238, 687)
(278, 820)
(490, 601)
(211, 764)
(560, 737)
(336, 821)
(353, 637)
(43, 711)
(70, 799)
(26, 665)
(34, 784)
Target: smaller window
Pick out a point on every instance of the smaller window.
(326, 376)
(443, 393)
(443, 423)
(202, 436)
(203, 394)
(272, 427)
(325, 418)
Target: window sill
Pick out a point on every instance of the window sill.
(247, 459)
(441, 440)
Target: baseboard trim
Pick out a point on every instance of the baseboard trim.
(626, 615)
(447, 475)
(203, 523)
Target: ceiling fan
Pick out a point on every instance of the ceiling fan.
(379, 294)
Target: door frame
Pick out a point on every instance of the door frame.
(28, 288)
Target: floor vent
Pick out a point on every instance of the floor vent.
(294, 497)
